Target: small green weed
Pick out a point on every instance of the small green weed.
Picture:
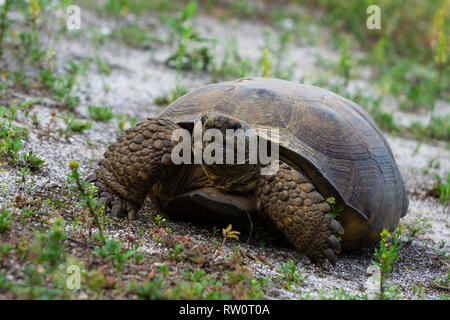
(10, 136)
(290, 275)
(3, 23)
(5, 220)
(385, 120)
(150, 290)
(265, 64)
(245, 9)
(441, 188)
(159, 221)
(87, 192)
(103, 67)
(438, 128)
(339, 294)
(443, 283)
(187, 57)
(50, 245)
(125, 122)
(175, 94)
(334, 212)
(76, 125)
(345, 62)
(62, 86)
(385, 258)
(101, 113)
(31, 162)
(136, 36)
(244, 285)
(418, 227)
(113, 250)
(418, 289)
(232, 65)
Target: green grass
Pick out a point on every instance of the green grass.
(3, 23)
(61, 86)
(47, 252)
(242, 8)
(385, 121)
(10, 136)
(265, 64)
(29, 49)
(5, 220)
(12, 139)
(114, 251)
(167, 99)
(248, 286)
(290, 275)
(232, 65)
(406, 27)
(344, 66)
(418, 227)
(101, 113)
(339, 294)
(76, 125)
(49, 246)
(410, 51)
(277, 53)
(149, 290)
(136, 36)
(441, 188)
(30, 161)
(119, 8)
(186, 55)
(438, 128)
(444, 283)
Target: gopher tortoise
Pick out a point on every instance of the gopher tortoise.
(327, 146)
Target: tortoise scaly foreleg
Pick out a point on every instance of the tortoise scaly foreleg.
(300, 213)
(133, 164)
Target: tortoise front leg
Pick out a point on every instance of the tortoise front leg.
(300, 213)
(133, 164)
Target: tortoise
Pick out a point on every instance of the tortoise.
(328, 147)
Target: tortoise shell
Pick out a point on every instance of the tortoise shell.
(330, 138)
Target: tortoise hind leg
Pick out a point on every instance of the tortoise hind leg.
(300, 213)
(133, 164)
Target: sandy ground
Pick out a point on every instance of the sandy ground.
(139, 76)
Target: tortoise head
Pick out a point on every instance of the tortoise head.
(229, 153)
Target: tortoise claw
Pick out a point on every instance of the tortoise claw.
(336, 227)
(328, 253)
(131, 212)
(102, 201)
(91, 178)
(116, 210)
(330, 243)
(334, 243)
(114, 203)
